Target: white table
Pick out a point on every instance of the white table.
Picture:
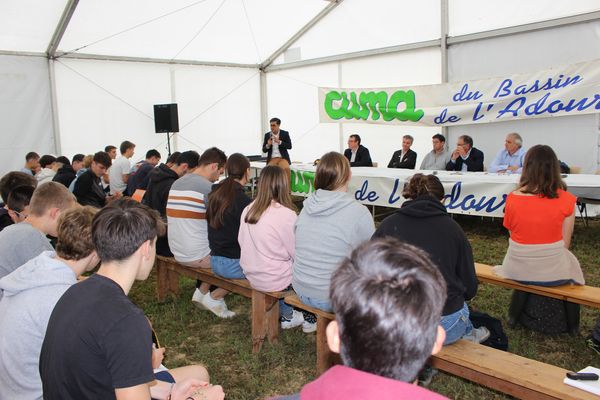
(472, 193)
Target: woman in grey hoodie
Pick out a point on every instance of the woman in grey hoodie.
(331, 224)
(30, 293)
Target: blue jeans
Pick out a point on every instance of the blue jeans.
(324, 305)
(227, 267)
(285, 310)
(456, 324)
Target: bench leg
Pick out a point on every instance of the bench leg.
(323, 352)
(162, 280)
(259, 314)
(272, 319)
(173, 281)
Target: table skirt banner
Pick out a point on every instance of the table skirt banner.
(472, 193)
(560, 91)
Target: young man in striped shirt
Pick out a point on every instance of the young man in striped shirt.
(188, 229)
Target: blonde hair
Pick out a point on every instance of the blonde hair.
(50, 195)
(273, 185)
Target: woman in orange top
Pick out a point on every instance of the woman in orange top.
(540, 216)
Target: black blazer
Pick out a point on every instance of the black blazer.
(474, 162)
(284, 146)
(363, 158)
(408, 161)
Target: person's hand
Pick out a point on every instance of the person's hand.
(277, 140)
(196, 390)
(117, 195)
(513, 168)
(157, 356)
(461, 151)
(455, 154)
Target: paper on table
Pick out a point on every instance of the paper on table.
(588, 386)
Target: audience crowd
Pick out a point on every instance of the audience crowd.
(399, 291)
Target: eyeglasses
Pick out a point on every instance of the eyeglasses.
(19, 215)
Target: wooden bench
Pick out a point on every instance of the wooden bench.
(586, 295)
(508, 373)
(265, 306)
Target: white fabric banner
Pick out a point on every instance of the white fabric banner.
(472, 193)
(567, 90)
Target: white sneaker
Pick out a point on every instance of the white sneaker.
(478, 335)
(309, 327)
(217, 307)
(296, 320)
(197, 299)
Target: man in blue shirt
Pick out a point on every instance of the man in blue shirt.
(510, 159)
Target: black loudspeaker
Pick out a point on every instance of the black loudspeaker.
(166, 118)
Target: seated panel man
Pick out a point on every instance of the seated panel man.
(437, 158)
(510, 159)
(356, 153)
(465, 157)
(404, 158)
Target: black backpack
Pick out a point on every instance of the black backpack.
(498, 338)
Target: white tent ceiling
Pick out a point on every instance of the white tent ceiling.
(77, 75)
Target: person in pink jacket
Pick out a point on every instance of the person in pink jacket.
(267, 242)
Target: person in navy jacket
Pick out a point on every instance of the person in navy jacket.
(276, 144)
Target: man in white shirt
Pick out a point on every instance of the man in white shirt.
(437, 158)
(510, 159)
(121, 168)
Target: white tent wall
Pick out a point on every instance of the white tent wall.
(292, 96)
(106, 102)
(25, 110)
(575, 139)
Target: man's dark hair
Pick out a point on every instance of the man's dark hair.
(14, 179)
(388, 299)
(32, 155)
(121, 227)
(46, 160)
(211, 156)
(174, 158)
(63, 160)
(19, 198)
(439, 137)
(109, 148)
(152, 153)
(190, 158)
(467, 139)
(276, 120)
(355, 137)
(103, 158)
(126, 145)
(78, 157)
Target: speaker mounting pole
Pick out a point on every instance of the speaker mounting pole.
(169, 142)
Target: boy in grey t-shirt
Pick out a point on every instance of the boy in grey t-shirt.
(21, 242)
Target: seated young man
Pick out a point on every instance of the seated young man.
(9, 182)
(98, 344)
(30, 293)
(388, 299)
(88, 187)
(18, 203)
(20, 243)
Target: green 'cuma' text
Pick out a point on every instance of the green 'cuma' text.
(373, 104)
(302, 181)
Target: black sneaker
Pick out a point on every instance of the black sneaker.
(426, 375)
(593, 344)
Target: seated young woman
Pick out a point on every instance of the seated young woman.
(266, 239)
(226, 202)
(331, 224)
(424, 222)
(540, 216)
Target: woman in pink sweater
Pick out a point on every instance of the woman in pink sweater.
(266, 239)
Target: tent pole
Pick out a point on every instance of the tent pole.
(264, 111)
(61, 28)
(333, 4)
(444, 49)
(54, 107)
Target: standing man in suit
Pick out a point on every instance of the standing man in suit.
(357, 154)
(465, 157)
(404, 158)
(276, 144)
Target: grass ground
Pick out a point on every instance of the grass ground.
(224, 346)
